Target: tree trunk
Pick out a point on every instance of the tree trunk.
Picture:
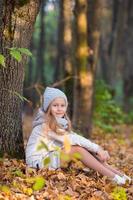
(58, 73)
(63, 67)
(16, 30)
(67, 51)
(106, 40)
(81, 83)
(128, 56)
(87, 53)
(116, 42)
(41, 48)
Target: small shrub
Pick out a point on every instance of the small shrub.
(106, 111)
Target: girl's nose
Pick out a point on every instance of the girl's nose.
(59, 108)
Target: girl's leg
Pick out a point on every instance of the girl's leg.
(112, 169)
(90, 161)
(108, 166)
(122, 175)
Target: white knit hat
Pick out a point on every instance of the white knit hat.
(50, 94)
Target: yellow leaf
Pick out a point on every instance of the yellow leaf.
(5, 189)
(67, 144)
(64, 156)
(29, 191)
(64, 197)
(30, 180)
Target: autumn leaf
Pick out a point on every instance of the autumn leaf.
(46, 161)
(67, 144)
(39, 183)
(71, 182)
(41, 146)
(5, 189)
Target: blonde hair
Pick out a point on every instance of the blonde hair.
(53, 125)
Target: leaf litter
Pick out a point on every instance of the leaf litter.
(18, 182)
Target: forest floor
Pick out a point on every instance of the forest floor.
(17, 182)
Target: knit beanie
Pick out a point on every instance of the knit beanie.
(50, 94)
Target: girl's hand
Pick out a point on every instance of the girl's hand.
(103, 155)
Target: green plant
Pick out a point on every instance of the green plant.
(129, 118)
(16, 53)
(38, 182)
(106, 111)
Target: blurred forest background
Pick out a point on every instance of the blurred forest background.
(84, 48)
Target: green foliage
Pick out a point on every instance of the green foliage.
(129, 118)
(119, 193)
(106, 111)
(42, 145)
(39, 183)
(46, 161)
(2, 60)
(65, 157)
(25, 51)
(16, 53)
(77, 155)
(20, 96)
(18, 172)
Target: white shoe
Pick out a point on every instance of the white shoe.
(127, 178)
(86, 169)
(119, 180)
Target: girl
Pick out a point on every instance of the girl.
(51, 126)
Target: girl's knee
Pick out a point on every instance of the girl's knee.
(76, 149)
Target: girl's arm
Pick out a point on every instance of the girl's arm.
(76, 139)
(83, 142)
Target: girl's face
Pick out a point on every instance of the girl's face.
(58, 107)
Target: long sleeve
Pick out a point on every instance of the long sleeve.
(76, 139)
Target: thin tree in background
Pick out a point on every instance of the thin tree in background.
(94, 31)
(87, 14)
(67, 50)
(81, 89)
(116, 41)
(108, 34)
(63, 69)
(127, 55)
(16, 31)
(58, 74)
(40, 64)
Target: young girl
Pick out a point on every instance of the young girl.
(51, 126)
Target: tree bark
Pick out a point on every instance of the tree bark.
(40, 64)
(58, 73)
(94, 32)
(127, 50)
(67, 51)
(17, 21)
(106, 40)
(87, 54)
(81, 83)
